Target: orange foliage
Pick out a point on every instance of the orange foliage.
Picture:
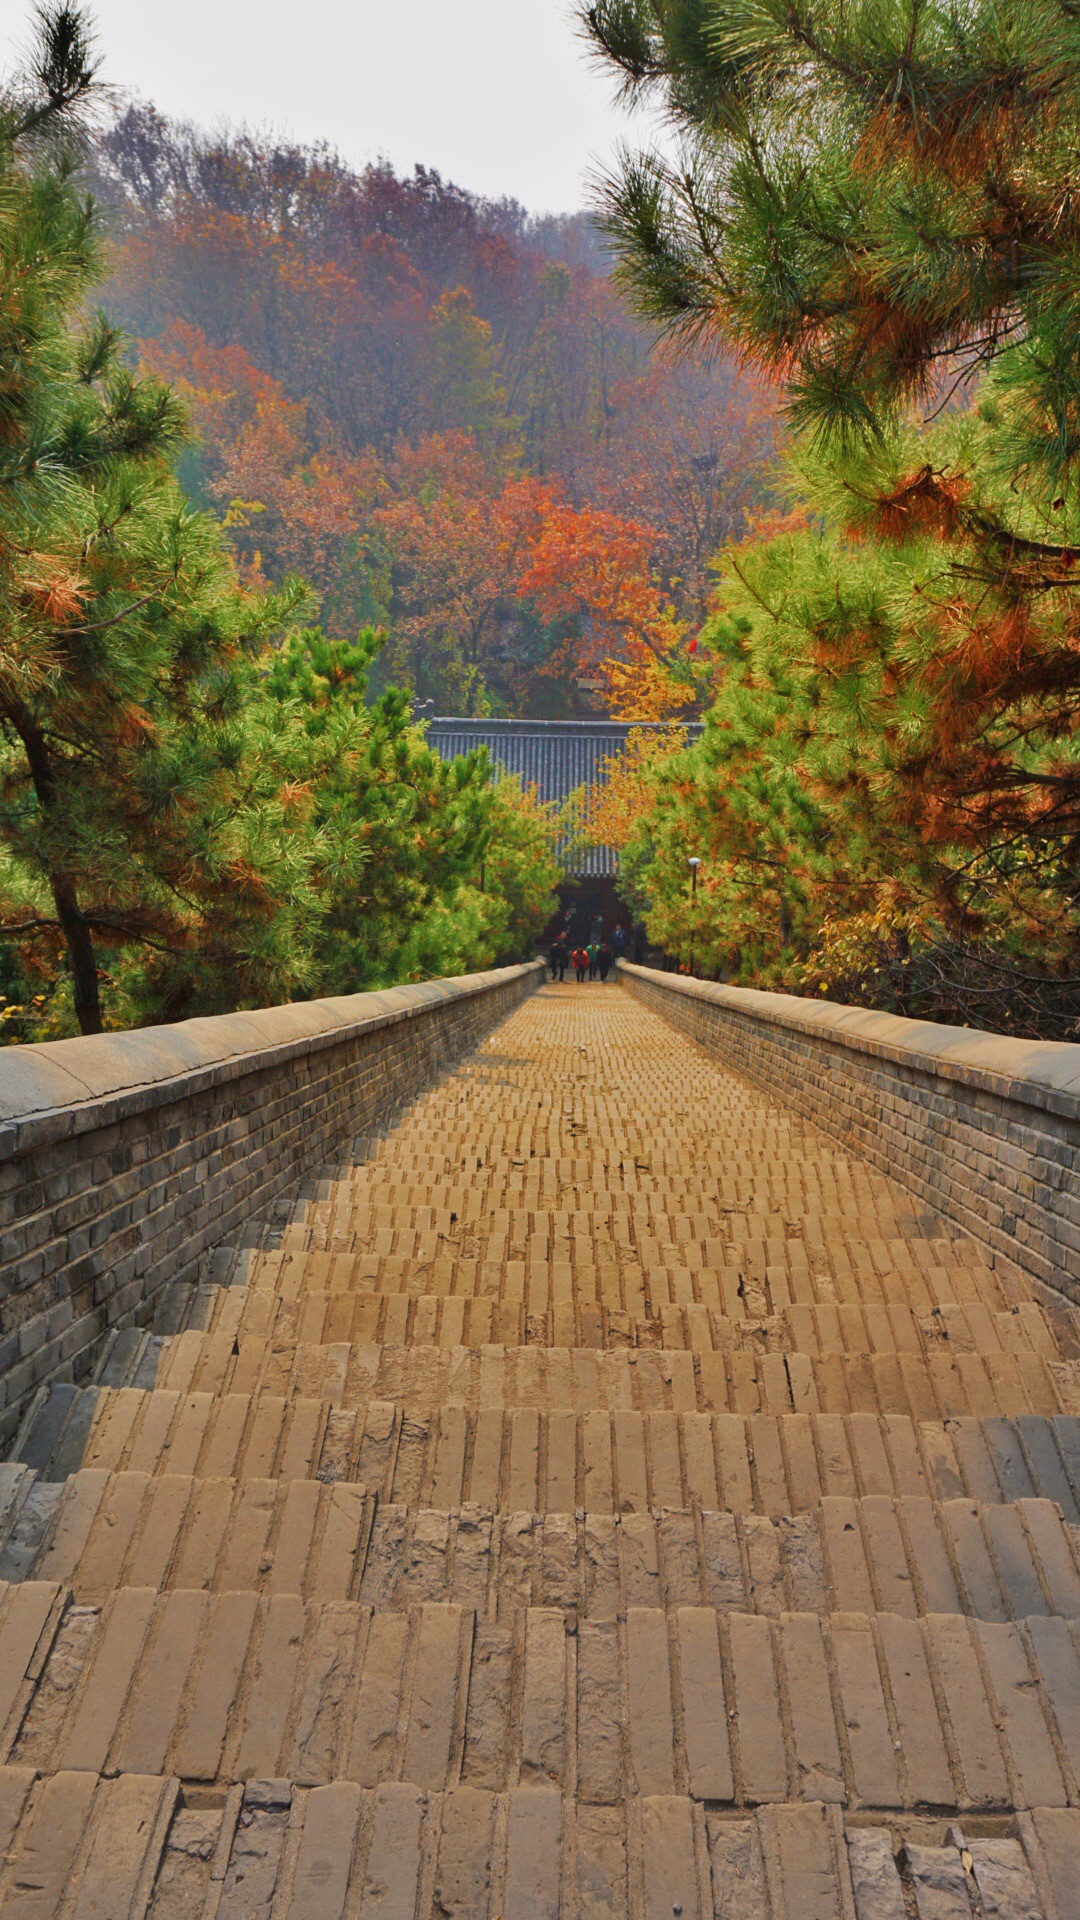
(468, 538)
(52, 588)
(926, 502)
(457, 533)
(593, 568)
(257, 459)
(398, 387)
(685, 454)
(469, 542)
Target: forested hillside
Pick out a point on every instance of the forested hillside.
(436, 409)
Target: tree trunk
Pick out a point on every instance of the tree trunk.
(77, 936)
(80, 946)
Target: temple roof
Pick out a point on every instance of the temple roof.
(555, 756)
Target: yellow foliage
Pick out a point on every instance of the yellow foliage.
(641, 688)
(625, 796)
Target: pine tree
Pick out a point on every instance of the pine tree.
(400, 839)
(863, 192)
(198, 806)
(876, 204)
(122, 634)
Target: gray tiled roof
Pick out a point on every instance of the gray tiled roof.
(555, 756)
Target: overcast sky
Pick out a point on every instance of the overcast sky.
(499, 95)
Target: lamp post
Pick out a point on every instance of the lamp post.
(693, 863)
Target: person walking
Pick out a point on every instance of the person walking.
(559, 956)
(598, 931)
(581, 965)
(604, 960)
(619, 941)
(593, 952)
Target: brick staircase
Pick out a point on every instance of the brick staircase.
(602, 1496)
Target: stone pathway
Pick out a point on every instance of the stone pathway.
(600, 1497)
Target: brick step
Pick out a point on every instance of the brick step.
(437, 1219)
(100, 1530)
(408, 1317)
(524, 1460)
(27, 1508)
(719, 1183)
(861, 1710)
(137, 1843)
(82, 1845)
(610, 1499)
(748, 1284)
(572, 1201)
(727, 1173)
(422, 1379)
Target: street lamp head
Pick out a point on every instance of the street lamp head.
(693, 860)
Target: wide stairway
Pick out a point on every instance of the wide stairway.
(601, 1496)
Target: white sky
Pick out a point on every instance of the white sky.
(498, 95)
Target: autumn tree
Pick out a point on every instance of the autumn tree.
(499, 589)
(450, 532)
(590, 574)
(880, 206)
(287, 506)
(871, 189)
(825, 866)
(493, 588)
(626, 784)
(691, 452)
(465, 394)
(382, 311)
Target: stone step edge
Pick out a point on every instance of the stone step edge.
(682, 1327)
(771, 1463)
(941, 1386)
(527, 1854)
(915, 1559)
(731, 1710)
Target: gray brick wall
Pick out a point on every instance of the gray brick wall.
(984, 1129)
(125, 1158)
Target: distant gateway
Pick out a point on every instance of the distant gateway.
(555, 756)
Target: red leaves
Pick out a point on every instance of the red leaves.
(456, 532)
(466, 543)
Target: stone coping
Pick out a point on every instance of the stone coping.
(1036, 1073)
(63, 1087)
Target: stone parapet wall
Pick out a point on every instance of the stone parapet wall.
(984, 1129)
(126, 1157)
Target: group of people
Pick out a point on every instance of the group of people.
(590, 959)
